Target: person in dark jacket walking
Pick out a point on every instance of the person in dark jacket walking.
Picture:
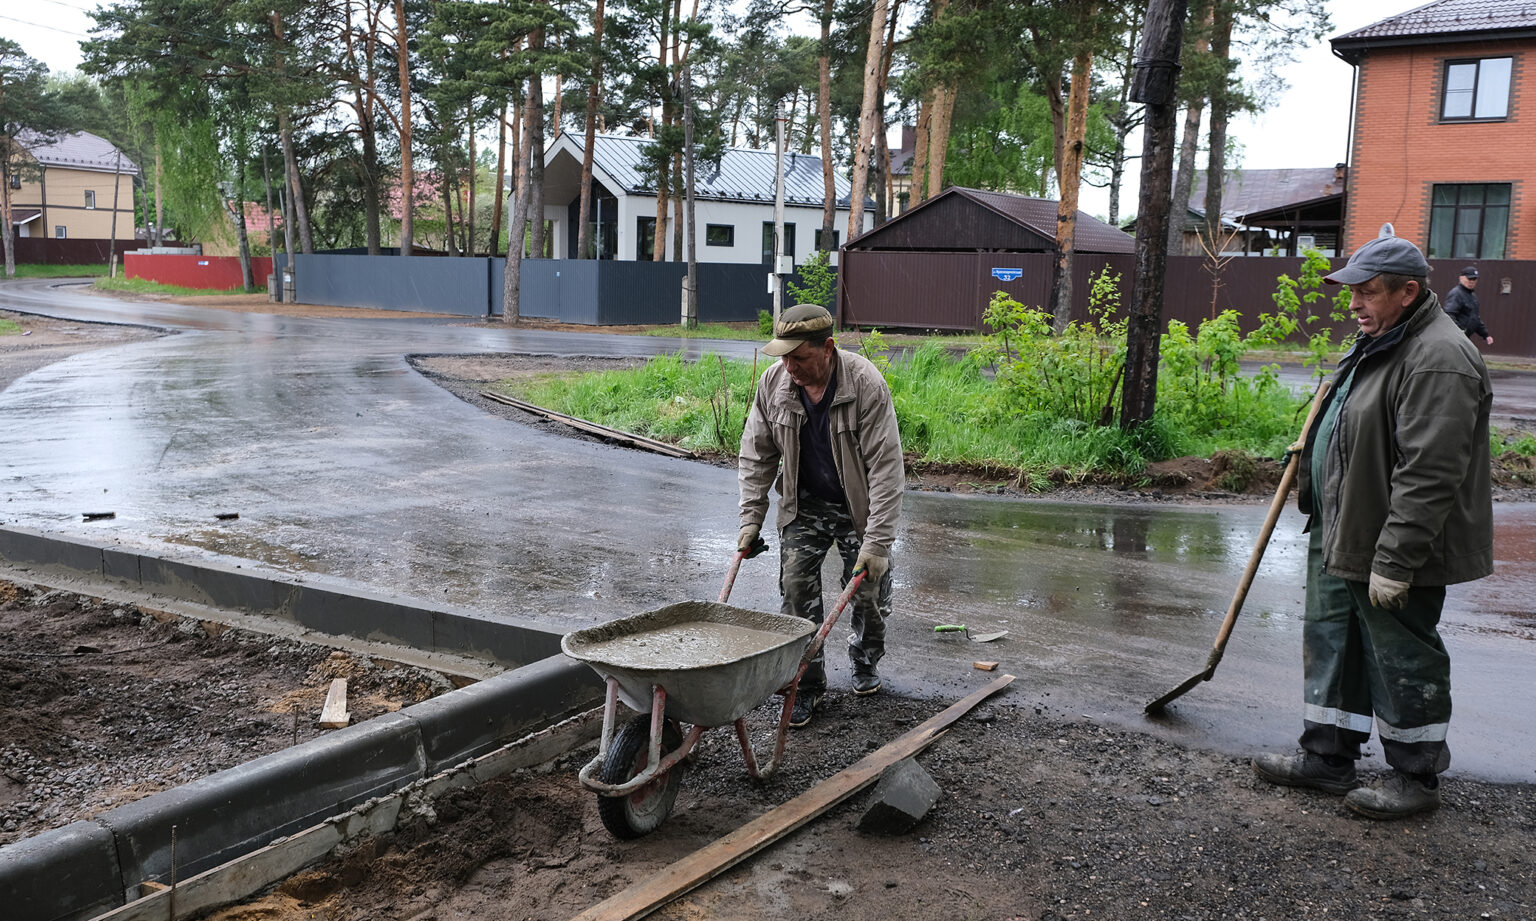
(1461, 305)
(1395, 481)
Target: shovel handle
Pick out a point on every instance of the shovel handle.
(1287, 480)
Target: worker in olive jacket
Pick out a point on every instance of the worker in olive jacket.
(1395, 481)
(822, 429)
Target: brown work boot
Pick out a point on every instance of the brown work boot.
(1397, 795)
(1317, 772)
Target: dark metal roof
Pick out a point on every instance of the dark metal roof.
(21, 216)
(1440, 22)
(80, 150)
(1246, 191)
(969, 219)
(743, 175)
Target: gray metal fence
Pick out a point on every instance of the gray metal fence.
(606, 293)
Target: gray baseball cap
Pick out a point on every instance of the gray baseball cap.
(1387, 254)
(797, 325)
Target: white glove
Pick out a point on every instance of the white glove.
(1388, 594)
(748, 534)
(874, 566)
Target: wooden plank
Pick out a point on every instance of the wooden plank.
(644, 897)
(335, 715)
(595, 428)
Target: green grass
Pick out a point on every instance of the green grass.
(707, 331)
(141, 286)
(949, 409)
(60, 271)
(9, 327)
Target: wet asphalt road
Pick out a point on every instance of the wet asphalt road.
(344, 463)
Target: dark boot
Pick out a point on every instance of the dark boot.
(1317, 772)
(1396, 795)
(866, 680)
(807, 702)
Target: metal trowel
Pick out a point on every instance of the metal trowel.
(975, 638)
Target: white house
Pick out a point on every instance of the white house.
(733, 203)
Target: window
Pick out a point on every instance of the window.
(646, 237)
(1476, 89)
(719, 234)
(15, 180)
(788, 249)
(90, 198)
(1469, 221)
(60, 231)
(833, 247)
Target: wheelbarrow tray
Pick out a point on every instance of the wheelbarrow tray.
(715, 661)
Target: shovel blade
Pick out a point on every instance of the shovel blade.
(1157, 705)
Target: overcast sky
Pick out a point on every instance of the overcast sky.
(1307, 126)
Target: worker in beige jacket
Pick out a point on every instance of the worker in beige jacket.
(822, 430)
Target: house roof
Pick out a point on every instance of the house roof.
(743, 174)
(1247, 191)
(1440, 22)
(21, 216)
(80, 150)
(972, 219)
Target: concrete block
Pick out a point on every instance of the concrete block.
(213, 584)
(902, 798)
(25, 547)
(234, 812)
(349, 612)
(507, 641)
(482, 717)
(120, 566)
(60, 875)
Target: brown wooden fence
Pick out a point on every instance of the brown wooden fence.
(949, 291)
(53, 251)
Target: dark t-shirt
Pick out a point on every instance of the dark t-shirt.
(818, 471)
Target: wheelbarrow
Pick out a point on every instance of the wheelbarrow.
(697, 663)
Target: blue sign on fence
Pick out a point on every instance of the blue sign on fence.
(1007, 274)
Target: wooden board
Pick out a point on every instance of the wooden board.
(335, 715)
(704, 864)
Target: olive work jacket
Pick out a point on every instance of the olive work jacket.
(866, 447)
(1408, 490)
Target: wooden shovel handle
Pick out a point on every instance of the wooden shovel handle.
(1287, 480)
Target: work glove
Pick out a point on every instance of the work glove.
(1388, 594)
(873, 566)
(750, 540)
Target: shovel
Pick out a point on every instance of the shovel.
(1287, 480)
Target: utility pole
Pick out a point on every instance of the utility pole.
(1155, 84)
(776, 266)
(117, 173)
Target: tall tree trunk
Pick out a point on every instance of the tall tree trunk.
(238, 213)
(469, 231)
(7, 229)
(1184, 179)
(511, 291)
(535, 134)
(1221, 105)
(583, 231)
(494, 244)
(266, 179)
(1123, 121)
(407, 173)
(882, 154)
(159, 234)
(1071, 177)
(1156, 85)
(445, 186)
(285, 132)
(870, 111)
(824, 116)
(941, 116)
(920, 186)
(371, 218)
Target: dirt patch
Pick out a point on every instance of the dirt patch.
(42, 341)
(106, 703)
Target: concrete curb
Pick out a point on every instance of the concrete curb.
(89, 867)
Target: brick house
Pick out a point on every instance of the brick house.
(1444, 125)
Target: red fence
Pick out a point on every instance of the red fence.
(221, 272)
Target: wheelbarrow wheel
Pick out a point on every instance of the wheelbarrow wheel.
(642, 811)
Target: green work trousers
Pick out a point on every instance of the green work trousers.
(1361, 661)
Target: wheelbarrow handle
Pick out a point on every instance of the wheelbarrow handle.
(830, 619)
(758, 546)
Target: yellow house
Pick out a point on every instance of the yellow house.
(70, 194)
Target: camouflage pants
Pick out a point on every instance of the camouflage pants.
(803, 546)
